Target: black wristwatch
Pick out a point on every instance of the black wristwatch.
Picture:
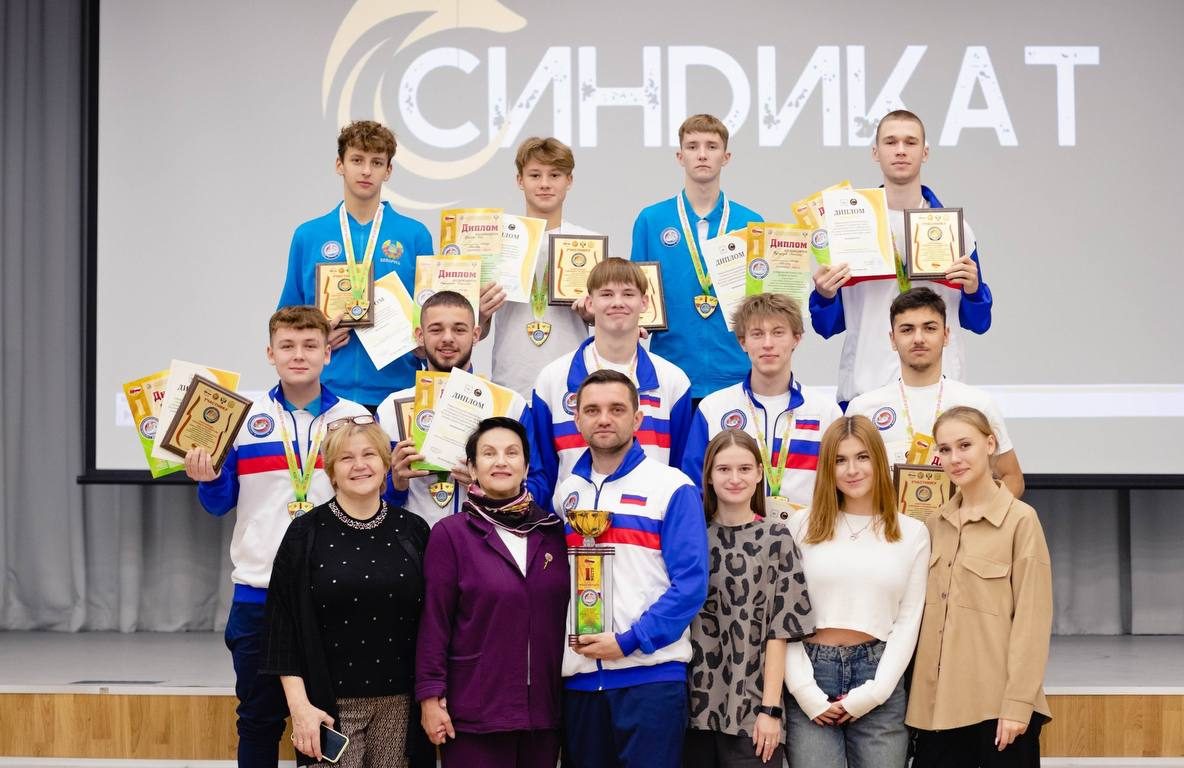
(774, 712)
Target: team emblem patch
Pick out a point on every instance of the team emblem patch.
(759, 268)
(451, 250)
(670, 237)
(442, 493)
(884, 418)
(423, 419)
(261, 425)
(331, 250)
(569, 403)
(734, 419)
(148, 427)
(571, 501)
(393, 250)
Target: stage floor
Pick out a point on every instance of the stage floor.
(159, 662)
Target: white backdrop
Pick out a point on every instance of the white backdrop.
(217, 125)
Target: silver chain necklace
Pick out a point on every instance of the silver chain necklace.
(854, 533)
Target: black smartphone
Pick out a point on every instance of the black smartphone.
(333, 744)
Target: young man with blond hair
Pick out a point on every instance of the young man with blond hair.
(528, 336)
(770, 404)
(616, 297)
(271, 475)
(362, 230)
(867, 360)
(672, 233)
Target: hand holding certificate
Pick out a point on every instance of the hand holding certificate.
(176, 389)
(859, 233)
(208, 418)
(933, 241)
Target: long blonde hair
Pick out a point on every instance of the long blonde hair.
(828, 499)
(727, 439)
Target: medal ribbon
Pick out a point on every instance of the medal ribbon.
(689, 236)
(600, 365)
(908, 417)
(300, 469)
(774, 474)
(538, 296)
(359, 274)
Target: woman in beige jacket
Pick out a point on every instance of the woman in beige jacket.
(977, 697)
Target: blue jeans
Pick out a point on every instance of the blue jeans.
(876, 740)
(261, 703)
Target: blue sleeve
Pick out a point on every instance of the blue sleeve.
(826, 315)
(684, 551)
(544, 462)
(974, 310)
(423, 242)
(220, 495)
(292, 294)
(681, 417)
(640, 250)
(696, 447)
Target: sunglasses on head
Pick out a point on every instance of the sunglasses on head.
(361, 421)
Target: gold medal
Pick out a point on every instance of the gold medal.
(442, 493)
(298, 508)
(358, 308)
(705, 305)
(539, 332)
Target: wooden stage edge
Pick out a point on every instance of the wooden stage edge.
(200, 726)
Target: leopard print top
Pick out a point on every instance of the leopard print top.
(756, 592)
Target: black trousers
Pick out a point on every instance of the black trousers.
(710, 749)
(973, 746)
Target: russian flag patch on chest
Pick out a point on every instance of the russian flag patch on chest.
(634, 499)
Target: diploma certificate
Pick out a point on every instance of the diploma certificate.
(932, 241)
(335, 296)
(859, 232)
(447, 273)
(465, 401)
(571, 259)
(473, 232)
(209, 417)
(810, 212)
(144, 396)
(429, 386)
(779, 261)
(726, 260)
(654, 317)
(921, 489)
(393, 313)
(522, 239)
(176, 388)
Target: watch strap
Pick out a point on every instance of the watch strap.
(775, 712)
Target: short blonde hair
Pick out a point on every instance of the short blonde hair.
(767, 305)
(617, 270)
(548, 151)
(703, 123)
(337, 438)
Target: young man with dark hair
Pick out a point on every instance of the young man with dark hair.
(616, 297)
(625, 702)
(905, 410)
(528, 336)
(867, 362)
(365, 231)
(770, 404)
(673, 232)
(447, 334)
(271, 475)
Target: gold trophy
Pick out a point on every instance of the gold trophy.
(592, 574)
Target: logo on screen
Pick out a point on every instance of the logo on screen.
(670, 237)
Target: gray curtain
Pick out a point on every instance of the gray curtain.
(133, 558)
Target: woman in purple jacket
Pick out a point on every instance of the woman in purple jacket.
(492, 633)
